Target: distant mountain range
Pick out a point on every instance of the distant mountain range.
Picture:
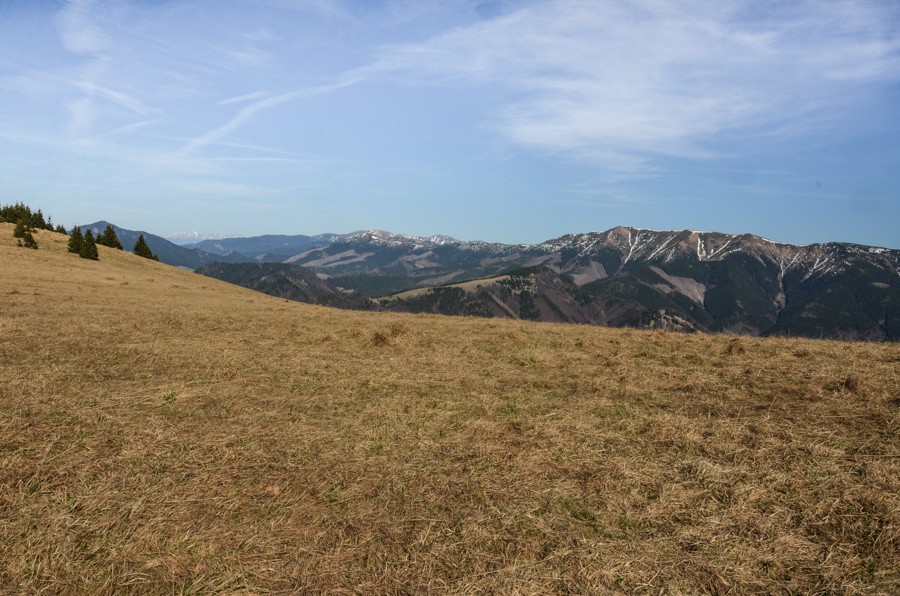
(182, 238)
(686, 280)
(168, 252)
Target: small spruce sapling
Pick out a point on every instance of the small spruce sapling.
(76, 240)
(89, 247)
(141, 249)
(37, 220)
(109, 238)
(21, 229)
(28, 240)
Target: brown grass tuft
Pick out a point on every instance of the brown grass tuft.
(380, 339)
(735, 348)
(851, 383)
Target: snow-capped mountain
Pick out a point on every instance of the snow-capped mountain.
(587, 257)
(384, 238)
(638, 246)
(193, 237)
(627, 276)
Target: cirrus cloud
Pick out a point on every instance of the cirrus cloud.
(619, 83)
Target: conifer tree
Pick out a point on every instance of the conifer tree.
(76, 240)
(61, 229)
(13, 213)
(28, 240)
(109, 238)
(89, 247)
(34, 220)
(37, 220)
(21, 229)
(141, 249)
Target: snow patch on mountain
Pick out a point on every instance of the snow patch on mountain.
(385, 238)
(195, 236)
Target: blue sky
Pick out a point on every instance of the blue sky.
(494, 120)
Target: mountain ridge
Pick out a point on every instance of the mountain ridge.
(168, 252)
(624, 276)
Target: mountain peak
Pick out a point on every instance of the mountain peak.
(385, 238)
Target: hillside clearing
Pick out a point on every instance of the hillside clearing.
(161, 431)
(467, 286)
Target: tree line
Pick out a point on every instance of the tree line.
(82, 243)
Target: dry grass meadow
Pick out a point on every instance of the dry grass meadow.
(162, 432)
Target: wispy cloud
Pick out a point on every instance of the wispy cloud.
(248, 113)
(598, 192)
(129, 128)
(335, 10)
(620, 83)
(78, 30)
(82, 115)
(117, 97)
(223, 188)
(250, 56)
(272, 160)
(243, 98)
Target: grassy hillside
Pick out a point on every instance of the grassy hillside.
(163, 432)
